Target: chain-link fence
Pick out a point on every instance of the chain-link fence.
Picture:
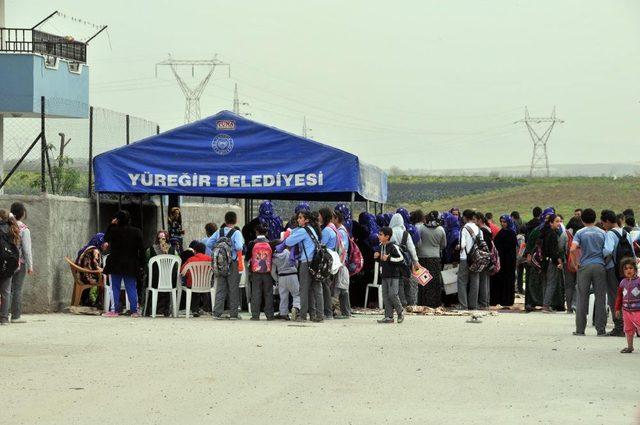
(70, 147)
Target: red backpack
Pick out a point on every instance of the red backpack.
(261, 257)
(355, 261)
(572, 258)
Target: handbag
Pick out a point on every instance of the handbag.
(421, 275)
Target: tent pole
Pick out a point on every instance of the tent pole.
(161, 213)
(141, 215)
(245, 205)
(367, 206)
(97, 212)
(353, 200)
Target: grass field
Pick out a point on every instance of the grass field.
(503, 195)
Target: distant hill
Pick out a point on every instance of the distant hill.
(503, 195)
(556, 170)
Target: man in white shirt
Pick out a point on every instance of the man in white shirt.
(468, 280)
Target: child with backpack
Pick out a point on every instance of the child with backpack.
(284, 270)
(330, 239)
(627, 305)
(226, 247)
(25, 264)
(617, 246)
(306, 237)
(341, 288)
(468, 277)
(9, 261)
(391, 260)
(484, 276)
(260, 253)
(402, 238)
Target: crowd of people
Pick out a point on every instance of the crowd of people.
(318, 263)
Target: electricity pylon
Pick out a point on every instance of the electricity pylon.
(540, 158)
(192, 95)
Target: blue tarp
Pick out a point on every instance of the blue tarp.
(229, 156)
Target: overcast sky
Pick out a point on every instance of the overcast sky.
(416, 84)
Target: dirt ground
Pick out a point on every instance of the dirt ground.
(510, 368)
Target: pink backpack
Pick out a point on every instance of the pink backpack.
(339, 243)
(355, 262)
(261, 257)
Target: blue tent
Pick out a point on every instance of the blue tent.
(229, 156)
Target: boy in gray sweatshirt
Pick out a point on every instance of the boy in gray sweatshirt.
(284, 271)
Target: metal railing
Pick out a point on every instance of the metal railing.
(26, 40)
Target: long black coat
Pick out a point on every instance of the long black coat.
(503, 282)
(126, 250)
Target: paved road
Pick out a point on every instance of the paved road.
(512, 368)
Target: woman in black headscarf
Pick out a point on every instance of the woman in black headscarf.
(503, 282)
(362, 235)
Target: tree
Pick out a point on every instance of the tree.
(65, 179)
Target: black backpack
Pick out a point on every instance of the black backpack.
(405, 267)
(479, 258)
(9, 254)
(322, 261)
(623, 250)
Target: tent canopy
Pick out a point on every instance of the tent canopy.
(229, 156)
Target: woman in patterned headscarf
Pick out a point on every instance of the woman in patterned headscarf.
(302, 206)
(380, 220)
(387, 218)
(503, 282)
(90, 258)
(545, 214)
(270, 220)
(97, 241)
(368, 222)
(346, 213)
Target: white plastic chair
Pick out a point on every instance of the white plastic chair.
(376, 285)
(107, 294)
(592, 303)
(168, 267)
(246, 284)
(201, 275)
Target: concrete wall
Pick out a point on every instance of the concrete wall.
(61, 225)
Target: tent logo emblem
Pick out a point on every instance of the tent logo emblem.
(222, 144)
(225, 125)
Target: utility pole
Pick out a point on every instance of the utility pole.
(1, 116)
(306, 131)
(540, 158)
(192, 94)
(237, 103)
